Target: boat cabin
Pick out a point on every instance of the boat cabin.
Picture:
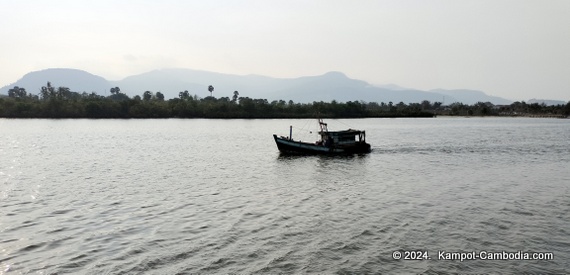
(340, 138)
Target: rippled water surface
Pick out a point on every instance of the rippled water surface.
(215, 196)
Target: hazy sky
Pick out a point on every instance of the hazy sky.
(513, 49)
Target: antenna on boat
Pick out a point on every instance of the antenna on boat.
(291, 132)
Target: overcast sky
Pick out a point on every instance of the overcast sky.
(514, 49)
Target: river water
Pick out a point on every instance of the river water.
(215, 197)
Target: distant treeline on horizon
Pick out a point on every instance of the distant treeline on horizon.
(62, 103)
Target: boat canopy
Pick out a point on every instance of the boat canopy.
(344, 137)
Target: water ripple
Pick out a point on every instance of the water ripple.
(177, 197)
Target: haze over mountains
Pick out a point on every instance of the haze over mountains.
(326, 87)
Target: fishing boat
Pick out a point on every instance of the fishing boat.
(331, 142)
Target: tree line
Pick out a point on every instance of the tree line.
(518, 108)
(61, 102)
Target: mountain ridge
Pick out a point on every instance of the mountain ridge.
(330, 86)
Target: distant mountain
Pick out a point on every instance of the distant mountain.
(469, 97)
(391, 87)
(327, 87)
(75, 80)
(172, 81)
(337, 86)
(547, 102)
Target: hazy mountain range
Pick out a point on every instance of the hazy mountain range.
(326, 87)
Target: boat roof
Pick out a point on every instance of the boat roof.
(344, 132)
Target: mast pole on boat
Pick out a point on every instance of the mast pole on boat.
(291, 132)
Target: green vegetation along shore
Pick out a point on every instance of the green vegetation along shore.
(62, 103)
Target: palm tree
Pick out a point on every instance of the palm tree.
(147, 95)
(211, 89)
(160, 96)
(236, 96)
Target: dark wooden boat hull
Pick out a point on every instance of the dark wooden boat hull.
(286, 145)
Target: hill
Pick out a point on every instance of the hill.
(327, 87)
(546, 102)
(75, 80)
(469, 97)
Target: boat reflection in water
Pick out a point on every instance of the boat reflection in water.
(331, 142)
